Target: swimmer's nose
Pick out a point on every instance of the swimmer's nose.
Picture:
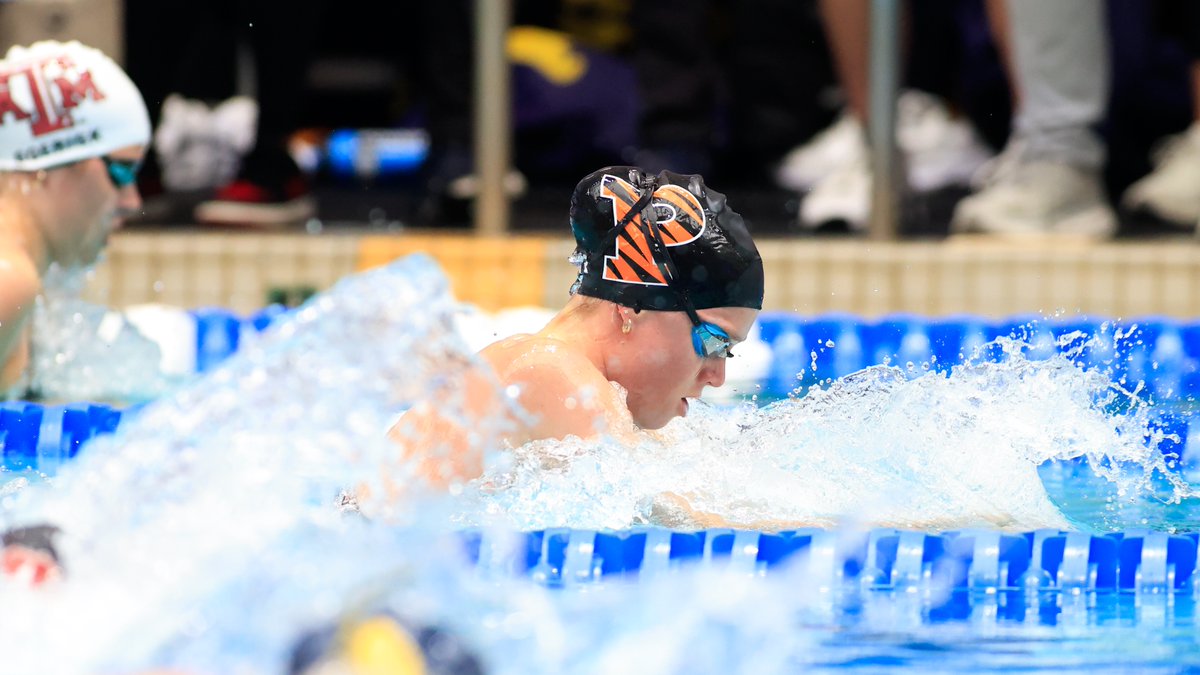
(713, 373)
(129, 202)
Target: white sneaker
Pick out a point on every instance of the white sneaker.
(1172, 190)
(843, 195)
(841, 143)
(1038, 198)
(940, 150)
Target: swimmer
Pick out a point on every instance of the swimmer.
(73, 132)
(669, 283)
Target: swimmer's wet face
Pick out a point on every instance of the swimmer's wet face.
(662, 370)
(668, 244)
(76, 168)
(90, 203)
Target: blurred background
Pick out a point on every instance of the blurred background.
(300, 141)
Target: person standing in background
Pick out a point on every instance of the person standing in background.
(1048, 179)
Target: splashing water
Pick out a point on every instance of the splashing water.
(693, 620)
(85, 352)
(204, 533)
(881, 447)
(183, 498)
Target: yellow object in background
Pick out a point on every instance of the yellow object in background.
(378, 646)
(492, 273)
(549, 52)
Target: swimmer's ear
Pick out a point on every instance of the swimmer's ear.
(624, 316)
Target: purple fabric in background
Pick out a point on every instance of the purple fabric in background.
(564, 126)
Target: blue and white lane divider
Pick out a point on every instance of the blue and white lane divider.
(1162, 351)
(40, 438)
(219, 332)
(1136, 561)
(803, 350)
(198, 340)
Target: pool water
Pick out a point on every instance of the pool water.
(1094, 503)
(204, 534)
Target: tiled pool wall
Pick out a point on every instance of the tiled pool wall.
(242, 271)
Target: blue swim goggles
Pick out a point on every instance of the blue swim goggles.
(708, 339)
(122, 172)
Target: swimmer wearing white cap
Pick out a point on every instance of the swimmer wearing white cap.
(73, 133)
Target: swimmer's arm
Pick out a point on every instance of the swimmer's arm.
(674, 510)
(670, 509)
(19, 287)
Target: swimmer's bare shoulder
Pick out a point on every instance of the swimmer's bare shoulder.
(559, 387)
(561, 391)
(19, 286)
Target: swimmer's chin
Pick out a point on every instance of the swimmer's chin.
(657, 423)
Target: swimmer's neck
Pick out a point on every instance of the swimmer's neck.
(19, 230)
(594, 331)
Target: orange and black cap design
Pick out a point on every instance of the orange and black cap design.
(664, 242)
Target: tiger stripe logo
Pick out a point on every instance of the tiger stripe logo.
(680, 219)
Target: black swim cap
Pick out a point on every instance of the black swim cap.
(662, 242)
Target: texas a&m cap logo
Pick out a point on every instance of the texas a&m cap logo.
(64, 102)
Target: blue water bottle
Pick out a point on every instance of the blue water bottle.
(368, 153)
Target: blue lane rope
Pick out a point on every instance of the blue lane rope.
(1135, 561)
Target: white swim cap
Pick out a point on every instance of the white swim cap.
(65, 102)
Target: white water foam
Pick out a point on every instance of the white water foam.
(185, 495)
(85, 352)
(880, 447)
